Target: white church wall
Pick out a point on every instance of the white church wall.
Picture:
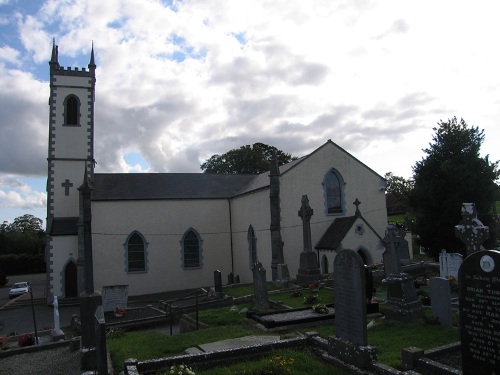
(306, 178)
(68, 172)
(252, 209)
(361, 236)
(163, 224)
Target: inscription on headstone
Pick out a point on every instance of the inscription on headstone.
(449, 264)
(479, 290)
(350, 300)
(114, 296)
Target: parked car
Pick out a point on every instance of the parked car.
(18, 289)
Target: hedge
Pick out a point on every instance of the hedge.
(19, 264)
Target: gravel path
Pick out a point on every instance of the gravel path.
(58, 361)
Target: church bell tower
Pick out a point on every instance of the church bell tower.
(70, 162)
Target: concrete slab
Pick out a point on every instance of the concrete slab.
(193, 350)
(238, 343)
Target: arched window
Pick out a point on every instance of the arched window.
(135, 248)
(71, 110)
(333, 186)
(252, 246)
(191, 250)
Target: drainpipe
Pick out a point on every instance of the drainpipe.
(231, 235)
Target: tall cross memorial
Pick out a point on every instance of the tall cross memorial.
(308, 269)
(89, 299)
(471, 231)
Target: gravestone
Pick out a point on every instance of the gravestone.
(308, 267)
(449, 264)
(114, 296)
(392, 265)
(479, 308)
(260, 287)
(56, 334)
(441, 300)
(402, 300)
(470, 230)
(218, 284)
(282, 275)
(351, 339)
(393, 254)
(100, 345)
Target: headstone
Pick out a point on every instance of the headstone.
(57, 334)
(440, 291)
(395, 237)
(309, 271)
(230, 278)
(392, 265)
(260, 287)
(351, 338)
(282, 275)
(114, 296)
(449, 263)
(100, 346)
(470, 230)
(479, 309)
(402, 300)
(218, 284)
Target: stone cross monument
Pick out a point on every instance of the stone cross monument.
(89, 299)
(278, 261)
(308, 269)
(471, 231)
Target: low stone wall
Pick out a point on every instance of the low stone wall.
(431, 361)
(212, 359)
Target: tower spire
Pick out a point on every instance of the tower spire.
(92, 61)
(54, 60)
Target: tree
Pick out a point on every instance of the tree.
(24, 235)
(245, 160)
(452, 173)
(399, 187)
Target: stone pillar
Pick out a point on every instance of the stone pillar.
(274, 198)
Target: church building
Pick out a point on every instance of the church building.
(158, 232)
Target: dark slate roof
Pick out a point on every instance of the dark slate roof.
(335, 233)
(63, 226)
(144, 186)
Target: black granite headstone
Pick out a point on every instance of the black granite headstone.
(479, 293)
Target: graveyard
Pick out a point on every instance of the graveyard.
(412, 316)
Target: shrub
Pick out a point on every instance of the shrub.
(309, 300)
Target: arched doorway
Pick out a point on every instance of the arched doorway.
(70, 280)
(365, 256)
(324, 264)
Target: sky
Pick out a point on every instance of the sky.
(180, 81)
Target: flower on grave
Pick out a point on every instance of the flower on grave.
(26, 340)
(296, 293)
(4, 343)
(314, 286)
(277, 365)
(374, 266)
(320, 308)
(119, 311)
(419, 281)
(451, 278)
(181, 370)
(309, 300)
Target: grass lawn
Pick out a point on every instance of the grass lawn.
(325, 296)
(388, 337)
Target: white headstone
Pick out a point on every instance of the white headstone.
(114, 296)
(449, 263)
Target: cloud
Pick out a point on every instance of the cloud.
(15, 193)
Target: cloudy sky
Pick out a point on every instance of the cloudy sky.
(179, 81)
